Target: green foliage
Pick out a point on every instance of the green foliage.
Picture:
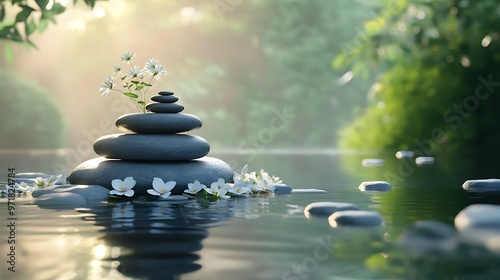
(31, 118)
(20, 19)
(436, 55)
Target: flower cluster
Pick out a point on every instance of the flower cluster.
(136, 81)
(25, 188)
(244, 184)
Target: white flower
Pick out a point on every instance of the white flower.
(127, 57)
(218, 188)
(43, 183)
(123, 187)
(161, 188)
(135, 72)
(118, 69)
(194, 188)
(6, 191)
(23, 187)
(154, 69)
(240, 188)
(107, 86)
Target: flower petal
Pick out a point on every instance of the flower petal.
(116, 192)
(158, 184)
(153, 192)
(129, 183)
(165, 195)
(116, 184)
(129, 193)
(169, 185)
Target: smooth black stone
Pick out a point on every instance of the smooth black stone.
(165, 98)
(160, 147)
(101, 171)
(158, 123)
(165, 93)
(164, 107)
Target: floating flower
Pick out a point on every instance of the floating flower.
(240, 188)
(218, 188)
(194, 188)
(107, 86)
(23, 188)
(161, 188)
(6, 191)
(123, 187)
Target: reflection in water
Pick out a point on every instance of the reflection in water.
(152, 240)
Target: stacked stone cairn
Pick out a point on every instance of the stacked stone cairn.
(155, 145)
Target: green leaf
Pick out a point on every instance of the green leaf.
(57, 8)
(141, 103)
(42, 4)
(138, 87)
(4, 31)
(135, 82)
(2, 13)
(42, 24)
(47, 14)
(8, 52)
(31, 44)
(29, 27)
(146, 84)
(15, 35)
(23, 15)
(131, 95)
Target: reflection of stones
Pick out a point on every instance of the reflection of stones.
(427, 238)
(89, 192)
(154, 149)
(158, 240)
(485, 185)
(324, 209)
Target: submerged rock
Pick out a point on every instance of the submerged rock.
(308, 191)
(323, 209)
(63, 199)
(484, 185)
(428, 237)
(378, 186)
(478, 216)
(355, 218)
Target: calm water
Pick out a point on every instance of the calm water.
(265, 237)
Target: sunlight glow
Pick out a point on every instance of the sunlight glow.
(99, 251)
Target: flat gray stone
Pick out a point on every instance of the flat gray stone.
(63, 199)
(324, 209)
(355, 218)
(164, 108)
(478, 216)
(158, 123)
(165, 98)
(165, 93)
(89, 192)
(375, 186)
(174, 198)
(101, 171)
(282, 189)
(404, 154)
(484, 185)
(31, 175)
(425, 160)
(167, 147)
